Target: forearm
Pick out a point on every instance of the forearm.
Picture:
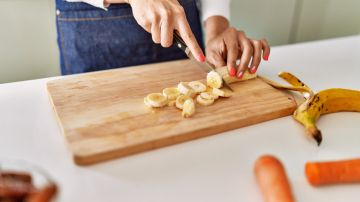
(214, 26)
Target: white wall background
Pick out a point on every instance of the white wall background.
(28, 48)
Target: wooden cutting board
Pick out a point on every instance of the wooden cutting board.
(102, 114)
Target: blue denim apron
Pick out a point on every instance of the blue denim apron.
(92, 39)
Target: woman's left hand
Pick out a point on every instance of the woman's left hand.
(225, 45)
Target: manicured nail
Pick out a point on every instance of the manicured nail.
(202, 58)
(232, 71)
(253, 70)
(240, 75)
(266, 57)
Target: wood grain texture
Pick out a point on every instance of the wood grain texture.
(102, 114)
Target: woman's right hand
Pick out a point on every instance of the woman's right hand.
(161, 18)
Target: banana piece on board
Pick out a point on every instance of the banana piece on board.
(210, 91)
(181, 100)
(185, 89)
(223, 92)
(172, 103)
(188, 108)
(205, 99)
(171, 93)
(146, 102)
(155, 100)
(197, 86)
(208, 96)
(214, 80)
(224, 73)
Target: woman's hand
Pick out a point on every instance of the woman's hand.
(161, 18)
(225, 45)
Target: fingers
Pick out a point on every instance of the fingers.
(189, 38)
(256, 59)
(167, 30)
(266, 49)
(215, 59)
(155, 29)
(247, 53)
(232, 48)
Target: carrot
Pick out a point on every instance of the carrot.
(271, 177)
(43, 195)
(333, 172)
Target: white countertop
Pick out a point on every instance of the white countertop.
(212, 169)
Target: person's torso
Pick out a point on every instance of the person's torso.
(92, 39)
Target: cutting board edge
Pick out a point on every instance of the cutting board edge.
(55, 113)
(85, 160)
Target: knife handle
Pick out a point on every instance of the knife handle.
(179, 42)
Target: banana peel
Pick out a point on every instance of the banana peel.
(316, 104)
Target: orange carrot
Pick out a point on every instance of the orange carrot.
(271, 177)
(333, 172)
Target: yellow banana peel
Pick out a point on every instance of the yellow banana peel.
(316, 104)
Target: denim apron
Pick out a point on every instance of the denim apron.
(92, 39)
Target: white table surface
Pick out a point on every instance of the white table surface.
(212, 169)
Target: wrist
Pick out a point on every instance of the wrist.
(214, 26)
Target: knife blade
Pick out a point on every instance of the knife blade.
(179, 42)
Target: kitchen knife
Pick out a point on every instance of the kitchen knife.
(204, 65)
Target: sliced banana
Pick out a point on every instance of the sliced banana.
(171, 93)
(197, 86)
(188, 108)
(156, 100)
(172, 103)
(223, 92)
(181, 100)
(214, 80)
(203, 101)
(210, 90)
(185, 89)
(146, 102)
(208, 96)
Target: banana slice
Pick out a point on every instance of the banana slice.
(185, 89)
(214, 80)
(203, 101)
(208, 96)
(156, 100)
(188, 108)
(181, 100)
(223, 92)
(146, 102)
(172, 103)
(171, 93)
(210, 90)
(197, 86)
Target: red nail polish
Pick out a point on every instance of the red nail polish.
(266, 57)
(240, 75)
(253, 70)
(232, 71)
(202, 58)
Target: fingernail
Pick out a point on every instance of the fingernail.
(240, 75)
(202, 58)
(232, 71)
(253, 70)
(266, 57)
